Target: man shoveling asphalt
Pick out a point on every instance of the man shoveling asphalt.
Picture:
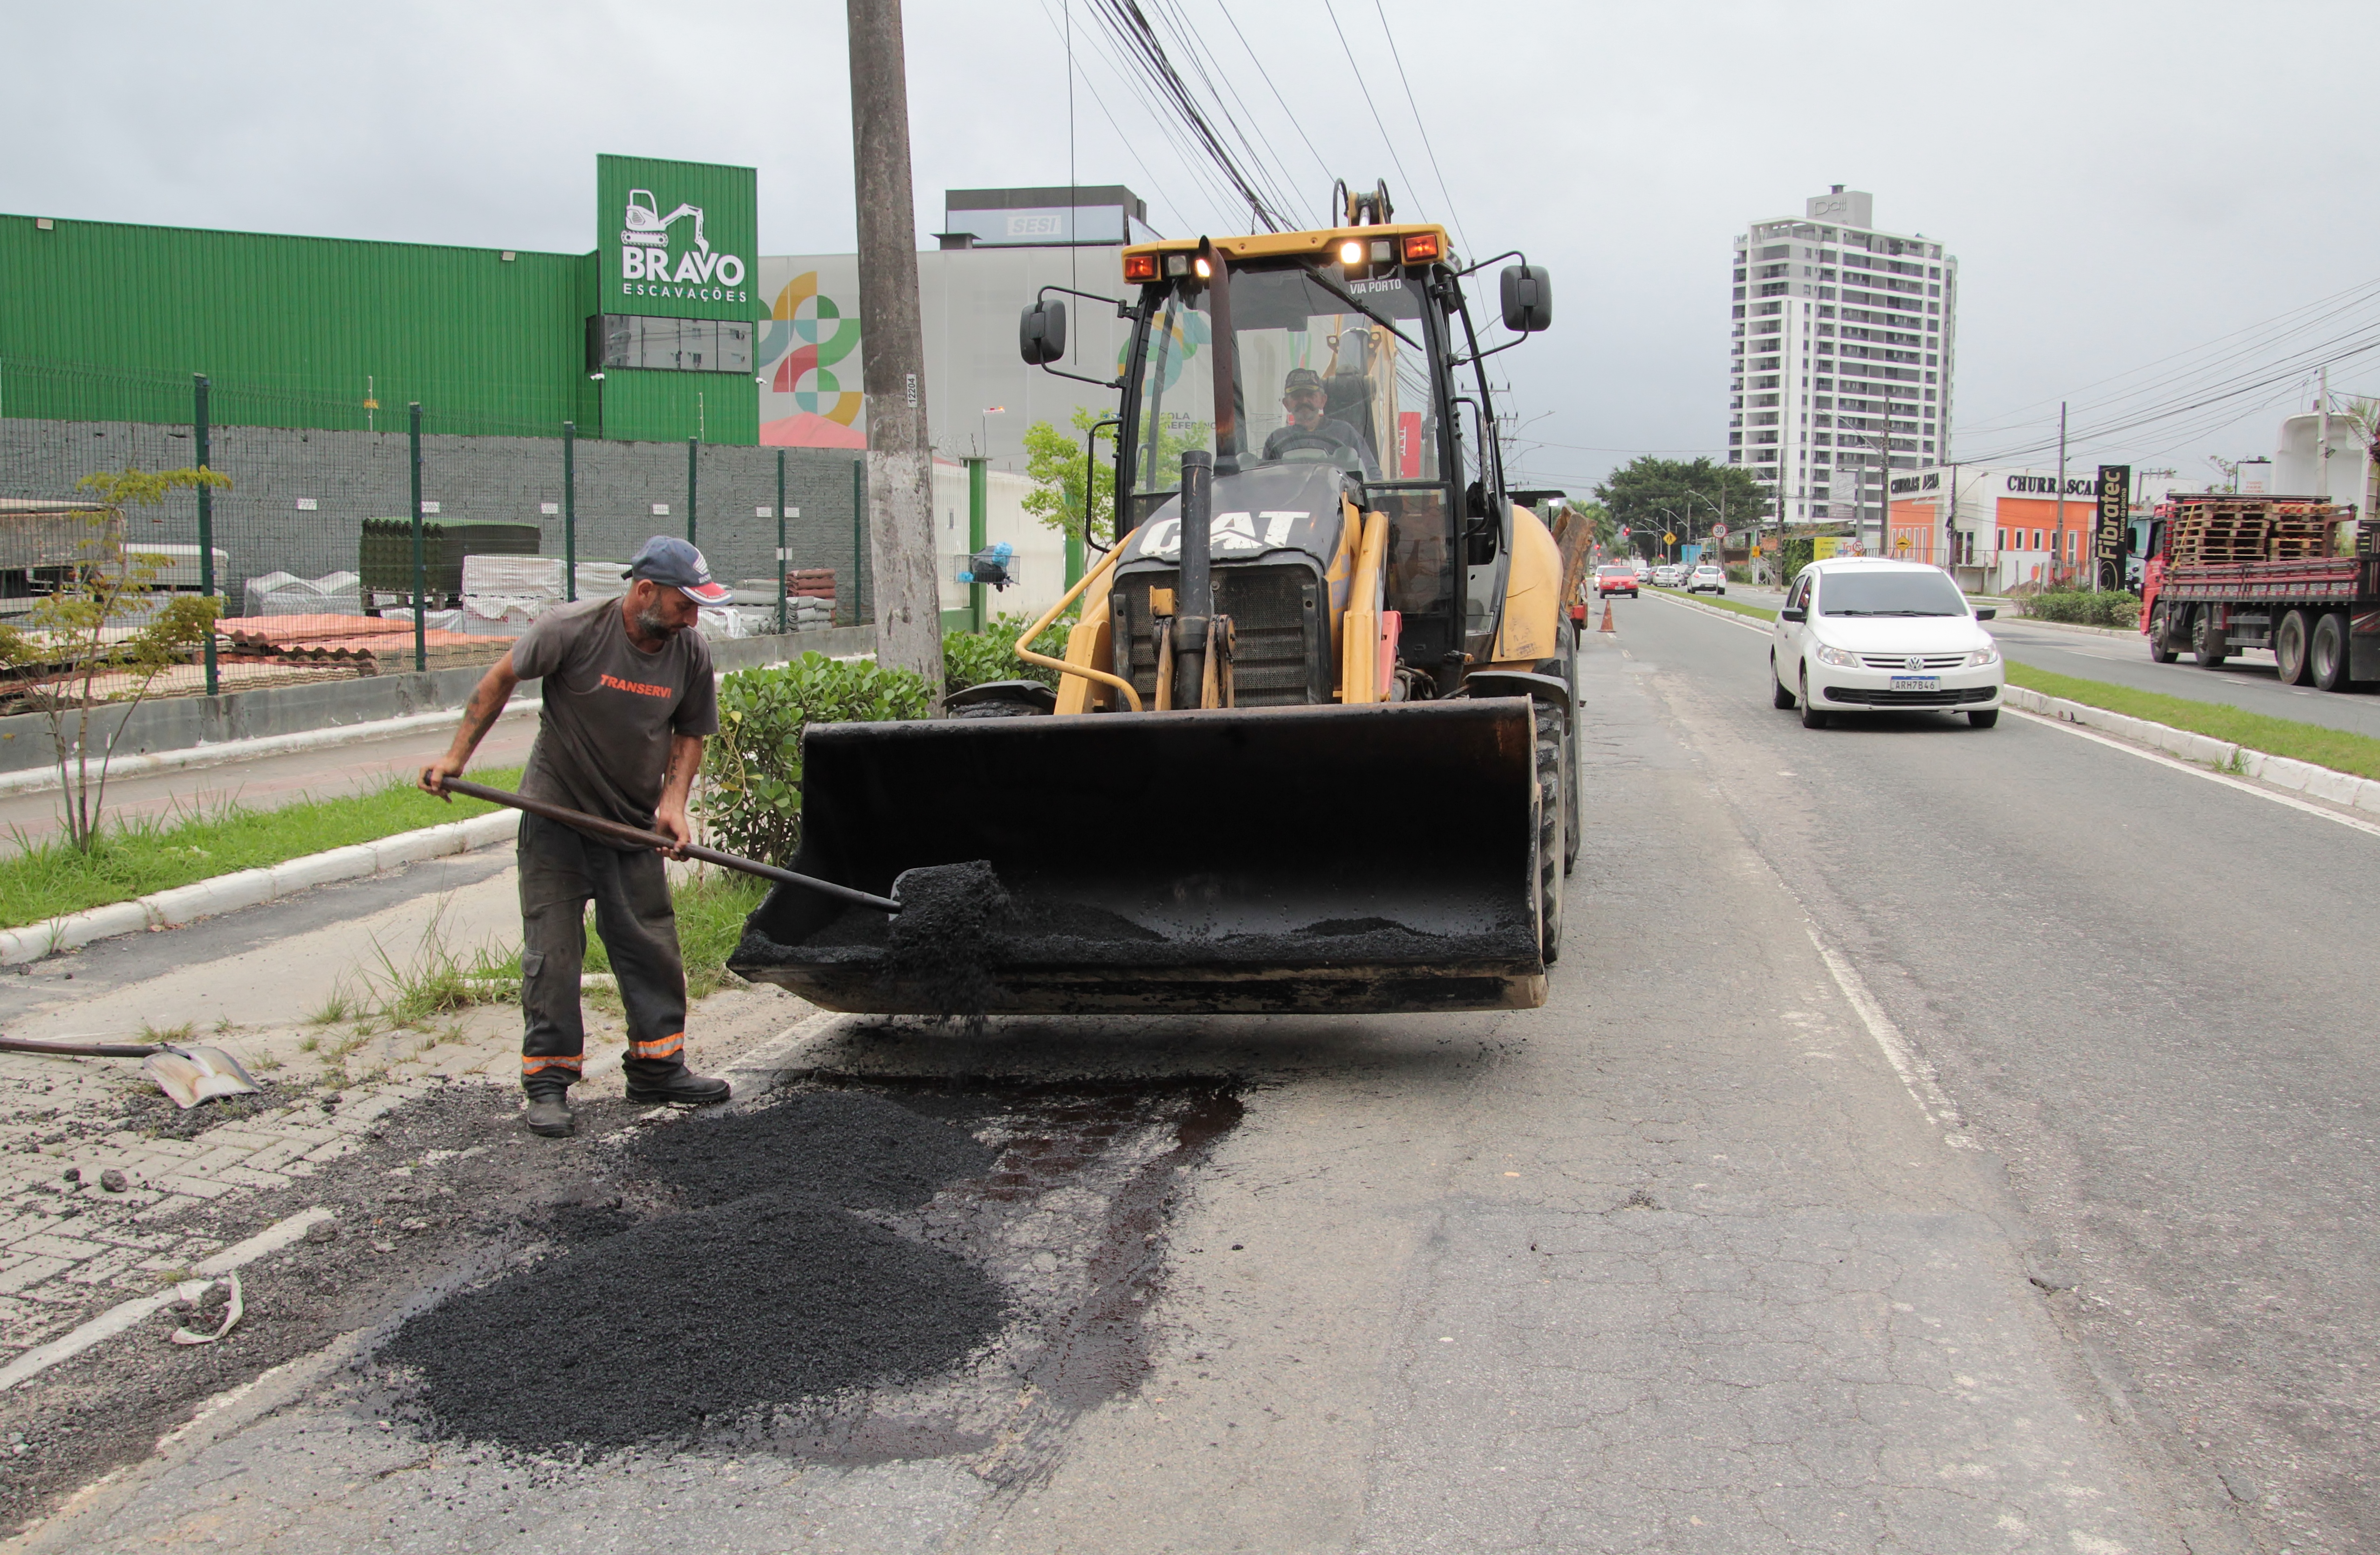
(629, 700)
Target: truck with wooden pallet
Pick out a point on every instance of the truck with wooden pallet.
(2295, 575)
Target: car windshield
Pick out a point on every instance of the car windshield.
(1319, 381)
(1619, 569)
(1890, 593)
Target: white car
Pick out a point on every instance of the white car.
(1706, 576)
(1871, 636)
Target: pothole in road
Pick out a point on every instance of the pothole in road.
(863, 1270)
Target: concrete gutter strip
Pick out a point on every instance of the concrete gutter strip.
(2281, 771)
(129, 1314)
(249, 888)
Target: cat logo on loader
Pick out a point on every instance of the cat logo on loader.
(646, 226)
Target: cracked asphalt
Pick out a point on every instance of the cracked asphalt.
(2034, 1223)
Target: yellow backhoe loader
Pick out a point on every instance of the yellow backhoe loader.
(1313, 743)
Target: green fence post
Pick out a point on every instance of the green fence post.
(978, 531)
(570, 511)
(859, 530)
(199, 431)
(781, 542)
(420, 563)
(691, 444)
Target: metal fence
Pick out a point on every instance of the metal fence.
(313, 547)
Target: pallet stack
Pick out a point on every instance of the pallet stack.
(2224, 529)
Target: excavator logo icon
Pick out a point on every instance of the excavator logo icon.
(644, 224)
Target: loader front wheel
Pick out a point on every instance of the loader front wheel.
(1552, 772)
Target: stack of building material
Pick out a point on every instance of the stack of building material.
(2224, 529)
(372, 645)
(504, 593)
(602, 580)
(810, 606)
(281, 593)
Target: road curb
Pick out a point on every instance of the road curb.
(2281, 771)
(2075, 627)
(249, 888)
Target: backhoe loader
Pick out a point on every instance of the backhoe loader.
(1313, 743)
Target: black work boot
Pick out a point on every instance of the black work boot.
(549, 1114)
(680, 1086)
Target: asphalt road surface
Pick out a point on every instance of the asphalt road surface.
(1936, 1139)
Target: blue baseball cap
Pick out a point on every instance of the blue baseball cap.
(676, 563)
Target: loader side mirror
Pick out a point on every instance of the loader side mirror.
(1529, 299)
(1041, 333)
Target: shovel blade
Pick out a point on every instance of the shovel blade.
(193, 1074)
(1336, 859)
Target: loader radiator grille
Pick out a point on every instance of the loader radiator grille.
(1282, 656)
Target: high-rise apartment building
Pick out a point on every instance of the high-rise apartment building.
(1839, 358)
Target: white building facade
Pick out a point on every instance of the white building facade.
(1841, 355)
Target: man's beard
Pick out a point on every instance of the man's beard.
(653, 624)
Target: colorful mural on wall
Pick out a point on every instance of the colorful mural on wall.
(807, 356)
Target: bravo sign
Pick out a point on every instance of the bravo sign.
(676, 239)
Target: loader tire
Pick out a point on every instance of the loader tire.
(1552, 772)
(1566, 636)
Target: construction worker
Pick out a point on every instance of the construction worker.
(1302, 396)
(629, 700)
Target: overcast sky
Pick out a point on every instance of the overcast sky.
(2123, 183)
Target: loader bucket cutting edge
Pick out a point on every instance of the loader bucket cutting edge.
(1345, 860)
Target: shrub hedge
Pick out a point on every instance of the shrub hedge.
(2082, 608)
(751, 798)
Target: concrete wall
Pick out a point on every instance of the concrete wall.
(184, 723)
(350, 476)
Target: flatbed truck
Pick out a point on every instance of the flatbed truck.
(2295, 575)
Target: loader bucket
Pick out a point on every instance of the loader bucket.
(1307, 858)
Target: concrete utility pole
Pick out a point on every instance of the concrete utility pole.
(900, 458)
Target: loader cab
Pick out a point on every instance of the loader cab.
(1343, 355)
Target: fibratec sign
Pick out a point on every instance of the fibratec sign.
(679, 240)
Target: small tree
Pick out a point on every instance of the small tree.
(1054, 462)
(98, 639)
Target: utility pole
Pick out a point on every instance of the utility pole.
(2060, 540)
(899, 459)
(2321, 465)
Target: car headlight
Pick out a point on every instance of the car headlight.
(1981, 656)
(1838, 658)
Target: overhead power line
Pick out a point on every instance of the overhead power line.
(1133, 32)
(1414, 103)
(1402, 176)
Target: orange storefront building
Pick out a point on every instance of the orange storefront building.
(1993, 527)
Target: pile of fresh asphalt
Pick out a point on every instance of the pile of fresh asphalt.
(750, 1285)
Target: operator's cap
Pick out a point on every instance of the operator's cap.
(676, 563)
(1300, 378)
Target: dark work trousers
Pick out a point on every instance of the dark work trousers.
(561, 870)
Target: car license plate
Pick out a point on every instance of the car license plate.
(1917, 683)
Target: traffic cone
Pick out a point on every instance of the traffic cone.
(1606, 625)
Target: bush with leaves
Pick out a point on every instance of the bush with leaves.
(976, 658)
(2083, 608)
(751, 799)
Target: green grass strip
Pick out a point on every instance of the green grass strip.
(141, 855)
(2334, 748)
(1757, 612)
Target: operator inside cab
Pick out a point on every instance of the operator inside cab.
(1312, 436)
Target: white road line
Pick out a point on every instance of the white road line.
(2194, 769)
(1730, 617)
(1916, 1073)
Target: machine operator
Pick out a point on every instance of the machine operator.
(1304, 397)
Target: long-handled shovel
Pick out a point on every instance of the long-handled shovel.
(188, 1072)
(595, 825)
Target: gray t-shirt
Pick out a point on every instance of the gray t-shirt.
(604, 738)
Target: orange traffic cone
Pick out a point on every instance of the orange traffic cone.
(1606, 625)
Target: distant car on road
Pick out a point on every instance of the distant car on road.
(1668, 576)
(1857, 635)
(1615, 578)
(1706, 576)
